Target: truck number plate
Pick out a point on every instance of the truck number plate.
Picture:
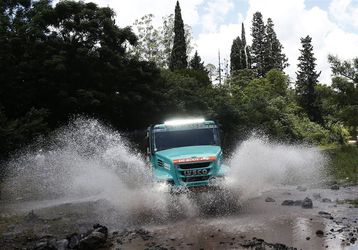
(195, 172)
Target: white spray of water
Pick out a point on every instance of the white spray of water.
(87, 161)
(258, 165)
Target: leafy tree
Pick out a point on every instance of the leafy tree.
(345, 87)
(155, 44)
(178, 58)
(148, 47)
(274, 57)
(307, 79)
(257, 48)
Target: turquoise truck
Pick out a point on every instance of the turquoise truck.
(186, 153)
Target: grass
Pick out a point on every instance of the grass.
(344, 163)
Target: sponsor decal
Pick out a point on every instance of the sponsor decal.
(194, 159)
(195, 172)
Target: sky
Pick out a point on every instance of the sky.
(332, 24)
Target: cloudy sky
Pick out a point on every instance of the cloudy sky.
(332, 24)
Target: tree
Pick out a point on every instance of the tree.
(345, 86)
(148, 47)
(155, 43)
(196, 63)
(239, 52)
(178, 58)
(274, 57)
(245, 53)
(307, 79)
(258, 44)
(236, 55)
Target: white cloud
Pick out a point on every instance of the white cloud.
(215, 12)
(344, 12)
(292, 21)
(128, 11)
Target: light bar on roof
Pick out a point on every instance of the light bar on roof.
(183, 121)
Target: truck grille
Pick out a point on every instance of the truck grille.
(196, 176)
(194, 165)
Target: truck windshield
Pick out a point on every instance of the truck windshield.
(183, 138)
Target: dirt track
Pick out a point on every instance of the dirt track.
(256, 223)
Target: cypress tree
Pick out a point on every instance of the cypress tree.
(178, 57)
(238, 55)
(258, 44)
(307, 79)
(243, 63)
(274, 57)
(196, 63)
(235, 55)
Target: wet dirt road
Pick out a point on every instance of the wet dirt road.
(257, 223)
(292, 226)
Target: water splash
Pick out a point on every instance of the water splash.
(258, 165)
(91, 163)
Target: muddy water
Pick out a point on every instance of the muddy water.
(289, 225)
(88, 174)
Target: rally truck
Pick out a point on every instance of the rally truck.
(186, 153)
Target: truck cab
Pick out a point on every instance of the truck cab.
(185, 152)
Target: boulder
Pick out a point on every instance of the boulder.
(61, 244)
(335, 187)
(92, 241)
(307, 203)
(269, 199)
(288, 203)
(73, 240)
(319, 233)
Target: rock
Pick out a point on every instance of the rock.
(353, 240)
(92, 241)
(326, 200)
(301, 188)
(316, 196)
(61, 244)
(286, 193)
(307, 203)
(319, 233)
(335, 187)
(308, 238)
(288, 203)
(269, 199)
(298, 203)
(101, 229)
(44, 245)
(325, 214)
(73, 240)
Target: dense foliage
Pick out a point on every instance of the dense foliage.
(71, 58)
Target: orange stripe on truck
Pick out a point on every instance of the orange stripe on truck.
(196, 159)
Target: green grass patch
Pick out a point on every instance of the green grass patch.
(344, 163)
